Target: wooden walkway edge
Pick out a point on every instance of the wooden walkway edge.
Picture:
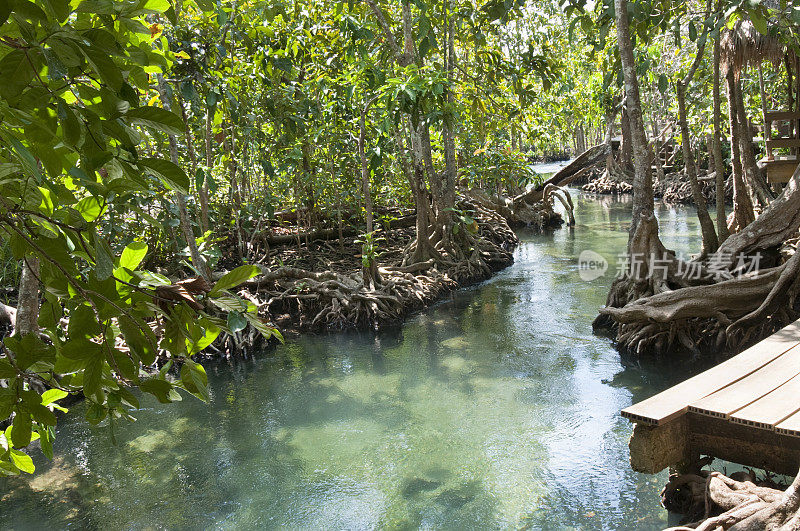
(745, 410)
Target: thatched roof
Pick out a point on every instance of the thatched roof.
(743, 46)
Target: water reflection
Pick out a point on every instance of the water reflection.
(495, 408)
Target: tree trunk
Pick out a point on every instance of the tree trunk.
(365, 173)
(27, 318)
(753, 177)
(229, 144)
(635, 282)
(710, 241)
(626, 148)
(370, 270)
(719, 166)
(789, 91)
(743, 213)
(642, 183)
(207, 175)
(180, 199)
(193, 162)
(448, 193)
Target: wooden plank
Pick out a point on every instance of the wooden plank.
(742, 444)
(790, 426)
(780, 173)
(779, 116)
(747, 390)
(674, 402)
(780, 169)
(778, 143)
(771, 408)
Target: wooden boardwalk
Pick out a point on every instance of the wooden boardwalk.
(745, 410)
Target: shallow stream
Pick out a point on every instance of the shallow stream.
(496, 408)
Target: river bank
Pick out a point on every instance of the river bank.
(321, 282)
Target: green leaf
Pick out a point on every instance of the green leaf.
(206, 5)
(211, 333)
(61, 9)
(80, 349)
(92, 376)
(663, 83)
(133, 255)
(69, 123)
(194, 379)
(236, 322)
(100, 7)
(102, 63)
(140, 344)
(90, 208)
(22, 461)
(235, 277)
(51, 395)
(95, 414)
(6, 8)
(104, 262)
(199, 178)
(16, 73)
(267, 331)
(424, 47)
(157, 6)
(21, 430)
(170, 174)
(158, 388)
(46, 441)
(157, 118)
(759, 22)
(123, 364)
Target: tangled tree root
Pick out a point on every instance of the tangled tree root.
(735, 503)
(676, 188)
(745, 291)
(605, 184)
(335, 300)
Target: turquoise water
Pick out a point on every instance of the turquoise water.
(496, 408)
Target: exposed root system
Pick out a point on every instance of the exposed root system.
(712, 501)
(745, 291)
(676, 188)
(321, 286)
(605, 184)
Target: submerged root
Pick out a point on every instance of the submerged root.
(538, 214)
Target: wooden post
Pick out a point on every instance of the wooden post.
(654, 448)
(767, 122)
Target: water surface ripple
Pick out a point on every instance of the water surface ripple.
(496, 408)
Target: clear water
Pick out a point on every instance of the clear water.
(496, 408)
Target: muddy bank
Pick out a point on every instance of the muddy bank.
(317, 285)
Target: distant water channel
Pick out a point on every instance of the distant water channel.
(496, 408)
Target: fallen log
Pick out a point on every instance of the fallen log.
(567, 174)
(327, 234)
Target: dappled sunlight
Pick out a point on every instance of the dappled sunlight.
(496, 408)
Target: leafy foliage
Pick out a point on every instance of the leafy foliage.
(72, 122)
